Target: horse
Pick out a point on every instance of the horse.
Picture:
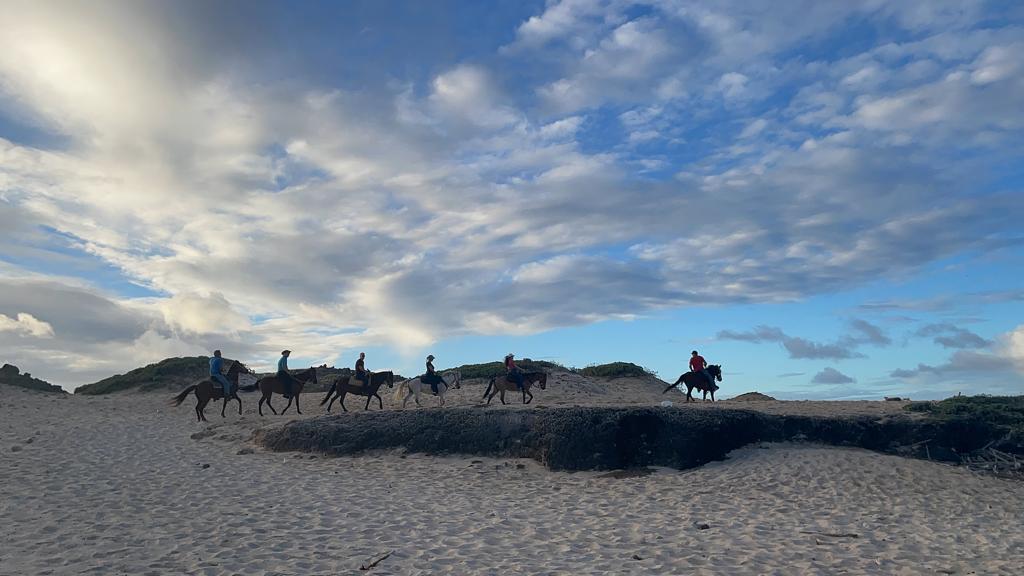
(342, 387)
(415, 386)
(502, 383)
(270, 384)
(207, 390)
(698, 381)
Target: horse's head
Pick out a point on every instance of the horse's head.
(311, 375)
(716, 371)
(386, 378)
(541, 378)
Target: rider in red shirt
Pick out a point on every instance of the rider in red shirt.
(512, 371)
(700, 366)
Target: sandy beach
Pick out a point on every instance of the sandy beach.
(123, 484)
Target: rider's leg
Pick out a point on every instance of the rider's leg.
(707, 376)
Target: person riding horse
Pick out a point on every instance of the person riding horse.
(216, 364)
(700, 366)
(512, 372)
(283, 376)
(432, 377)
(361, 372)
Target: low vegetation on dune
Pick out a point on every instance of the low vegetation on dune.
(1000, 415)
(169, 373)
(490, 369)
(12, 376)
(616, 370)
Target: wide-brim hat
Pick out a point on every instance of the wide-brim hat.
(286, 351)
(509, 355)
(430, 357)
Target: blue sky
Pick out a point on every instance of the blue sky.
(824, 197)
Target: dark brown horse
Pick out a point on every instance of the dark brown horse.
(341, 387)
(268, 385)
(698, 381)
(502, 383)
(207, 390)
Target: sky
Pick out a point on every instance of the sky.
(823, 197)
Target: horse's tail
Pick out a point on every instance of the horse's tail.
(400, 390)
(177, 400)
(334, 386)
(489, 384)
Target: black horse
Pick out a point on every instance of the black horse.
(698, 381)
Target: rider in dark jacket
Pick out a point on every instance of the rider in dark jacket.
(361, 372)
(432, 377)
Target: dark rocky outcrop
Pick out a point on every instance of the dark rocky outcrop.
(12, 376)
(596, 438)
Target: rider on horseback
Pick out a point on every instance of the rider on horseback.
(700, 366)
(216, 363)
(432, 377)
(283, 376)
(361, 372)
(512, 371)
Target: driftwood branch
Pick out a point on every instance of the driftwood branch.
(375, 562)
(831, 534)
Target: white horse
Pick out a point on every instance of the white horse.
(407, 388)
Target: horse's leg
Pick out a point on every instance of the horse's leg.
(380, 403)
(269, 405)
(239, 404)
(503, 396)
(331, 403)
(341, 400)
(531, 396)
(199, 414)
(297, 393)
(223, 407)
(689, 392)
(262, 400)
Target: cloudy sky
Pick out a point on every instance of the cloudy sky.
(824, 197)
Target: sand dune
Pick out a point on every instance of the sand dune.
(123, 484)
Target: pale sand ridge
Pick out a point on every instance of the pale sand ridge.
(116, 485)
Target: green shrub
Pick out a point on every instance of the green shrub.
(498, 368)
(1003, 413)
(616, 370)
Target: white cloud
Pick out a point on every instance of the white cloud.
(26, 324)
(317, 214)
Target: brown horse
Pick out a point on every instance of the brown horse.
(207, 390)
(695, 380)
(268, 385)
(341, 387)
(502, 383)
